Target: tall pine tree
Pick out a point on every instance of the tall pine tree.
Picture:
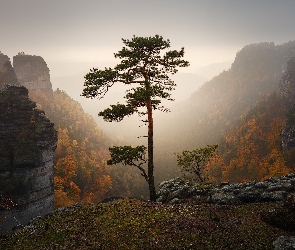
(145, 66)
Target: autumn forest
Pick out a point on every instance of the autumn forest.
(243, 110)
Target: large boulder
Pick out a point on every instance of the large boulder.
(272, 189)
(284, 243)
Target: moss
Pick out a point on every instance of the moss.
(133, 224)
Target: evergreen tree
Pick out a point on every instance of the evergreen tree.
(146, 68)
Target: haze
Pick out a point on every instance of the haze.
(74, 36)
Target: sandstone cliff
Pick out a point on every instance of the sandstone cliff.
(7, 74)
(33, 73)
(287, 89)
(27, 143)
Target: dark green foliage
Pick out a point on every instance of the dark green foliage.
(116, 113)
(145, 66)
(128, 155)
(141, 62)
(195, 160)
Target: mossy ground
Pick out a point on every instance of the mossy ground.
(134, 224)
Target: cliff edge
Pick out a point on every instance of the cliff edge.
(27, 143)
(287, 90)
(33, 73)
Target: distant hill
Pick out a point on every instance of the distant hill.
(214, 69)
(262, 144)
(240, 109)
(220, 103)
(252, 150)
(73, 85)
(81, 173)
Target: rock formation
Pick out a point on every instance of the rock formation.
(27, 143)
(287, 84)
(33, 73)
(284, 243)
(272, 189)
(287, 89)
(7, 74)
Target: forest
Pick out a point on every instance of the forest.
(241, 110)
(81, 172)
(245, 121)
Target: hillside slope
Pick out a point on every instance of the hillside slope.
(81, 174)
(134, 224)
(219, 104)
(262, 145)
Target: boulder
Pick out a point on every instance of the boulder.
(284, 243)
(272, 189)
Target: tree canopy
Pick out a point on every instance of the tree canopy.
(142, 64)
(195, 161)
(146, 68)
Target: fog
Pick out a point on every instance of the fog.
(74, 36)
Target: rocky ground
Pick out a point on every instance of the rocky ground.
(133, 224)
(271, 190)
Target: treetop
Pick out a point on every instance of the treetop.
(146, 65)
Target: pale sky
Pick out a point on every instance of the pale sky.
(75, 35)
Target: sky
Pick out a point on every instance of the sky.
(75, 35)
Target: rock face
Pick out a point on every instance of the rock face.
(27, 143)
(287, 84)
(287, 89)
(284, 243)
(33, 73)
(272, 189)
(7, 74)
(175, 190)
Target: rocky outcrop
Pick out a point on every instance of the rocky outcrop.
(27, 143)
(7, 74)
(284, 243)
(176, 190)
(287, 84)
(287, 90)
(272, 189)
(33, 73)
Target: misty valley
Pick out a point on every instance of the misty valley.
(213, 172)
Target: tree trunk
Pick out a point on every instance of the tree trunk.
(151, 181)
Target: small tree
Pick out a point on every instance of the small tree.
(128, 155)
(194, 162)
(146, 68)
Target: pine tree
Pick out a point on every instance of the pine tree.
(146, 68)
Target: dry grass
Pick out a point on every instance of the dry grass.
(134, 224)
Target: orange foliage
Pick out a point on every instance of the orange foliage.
(252, 151)
(81, 152)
